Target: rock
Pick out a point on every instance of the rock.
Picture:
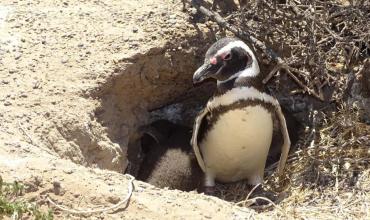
(172, 21)
(113, 199)
(11, 71)
(23, 95)
(4, 81)
(68, 171)
(64, 60)
(17, 56)
(7, 103)
(57, 187)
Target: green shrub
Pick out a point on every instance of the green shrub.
(12, 205)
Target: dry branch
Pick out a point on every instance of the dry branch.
(247, 36)
(33, 142)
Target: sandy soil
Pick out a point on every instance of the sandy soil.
(70, 75)
(77, 80)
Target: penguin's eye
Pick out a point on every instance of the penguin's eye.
(226, 56)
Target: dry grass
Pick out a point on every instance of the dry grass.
(328, 177)
(327, 43)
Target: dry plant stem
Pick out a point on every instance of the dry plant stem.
(33, 142)
(272, 73)
(244, 202)
(240, 33)
(290, 71)
(79, 212)
(274, 165)
(253, 200)
(314, 135)
(245, 35)
(254, 188)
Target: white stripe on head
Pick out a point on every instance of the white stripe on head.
(251, 71)
(240, 93)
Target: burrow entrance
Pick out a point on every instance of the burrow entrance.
(148, 107)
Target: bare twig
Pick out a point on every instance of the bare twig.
(254, 200)
(249, 194)
(247, 36)
(272, 73)
(33, 142)
(290, 71)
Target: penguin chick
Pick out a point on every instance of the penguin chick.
(168, 161)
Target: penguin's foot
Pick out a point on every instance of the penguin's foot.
(255, 180)
(209, 190)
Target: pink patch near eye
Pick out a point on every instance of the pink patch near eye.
(213, 60)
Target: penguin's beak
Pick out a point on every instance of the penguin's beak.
(202, 73)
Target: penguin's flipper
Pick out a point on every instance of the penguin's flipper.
(286, 144)
(194, 139)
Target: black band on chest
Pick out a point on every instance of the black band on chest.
(215, 113)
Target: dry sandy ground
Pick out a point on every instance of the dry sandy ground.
(70, 75)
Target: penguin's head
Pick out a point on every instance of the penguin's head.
(227, 59)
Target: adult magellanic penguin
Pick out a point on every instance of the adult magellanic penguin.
(232, 135)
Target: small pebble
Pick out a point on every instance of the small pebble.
(4, 81)
(17, 56)
(113, 199)
(56, 187)
(64, 60)
(69, 171)
(76, 195)
(23, 95)
(172, 21)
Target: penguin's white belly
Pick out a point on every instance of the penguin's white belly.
(237, 144)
